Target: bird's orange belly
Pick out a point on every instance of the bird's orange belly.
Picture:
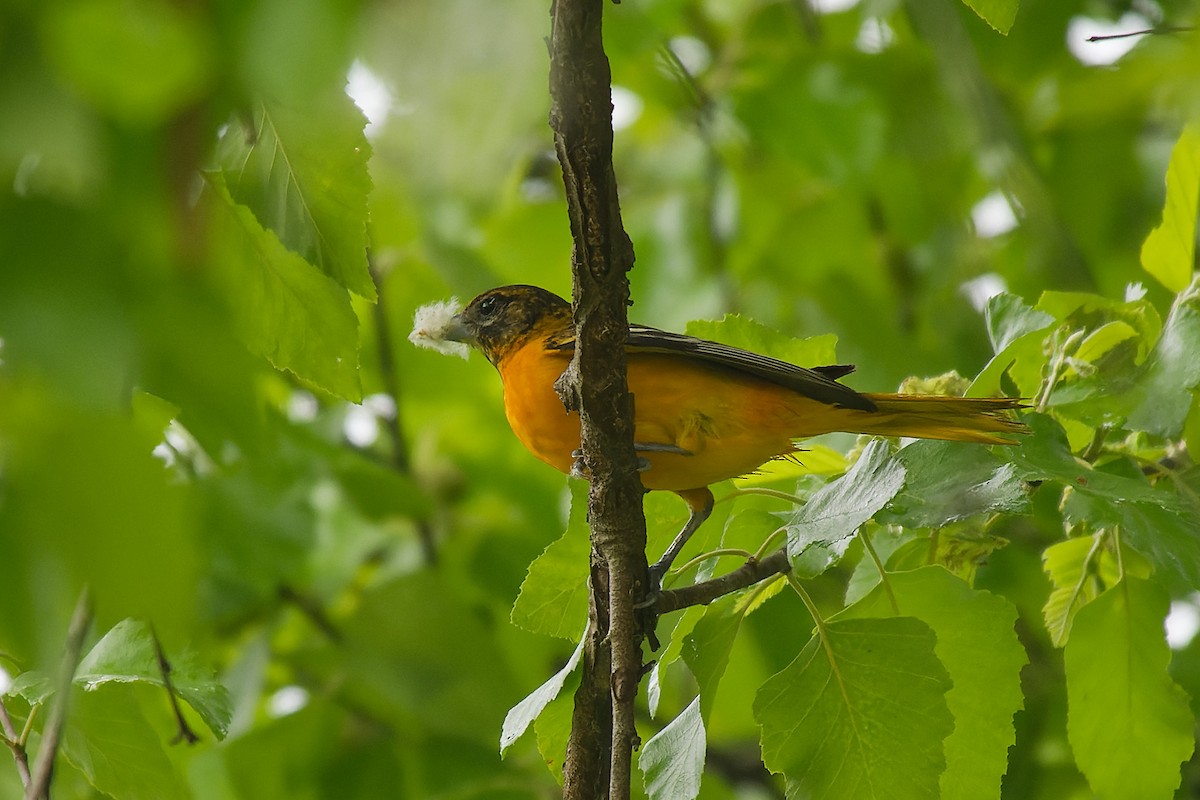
(729, 426)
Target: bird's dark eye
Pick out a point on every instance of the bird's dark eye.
(489, 306)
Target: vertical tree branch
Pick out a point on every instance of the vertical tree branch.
(599, 752)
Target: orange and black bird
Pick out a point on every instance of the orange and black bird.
(704, 411)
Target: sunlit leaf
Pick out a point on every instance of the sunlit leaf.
(1128, 722)
(1169, 252)
(747, 334)
(977, 642)
(1000, 14)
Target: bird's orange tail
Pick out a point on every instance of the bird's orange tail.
(957, 419)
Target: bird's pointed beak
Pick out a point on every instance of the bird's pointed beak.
(457, 330)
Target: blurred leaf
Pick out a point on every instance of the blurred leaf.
(949, 481)
(126, 654)
(138, 61)
(1119, 694)
(977, 642)
(673, 759)
(818, 533)
(111, 742)
(738, 331)
(554, 595)
(520, 716)
(284, 308)
(1169, 252)
(1000, 14)
(861, 714)
(303, 172)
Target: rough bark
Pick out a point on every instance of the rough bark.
(599, 751)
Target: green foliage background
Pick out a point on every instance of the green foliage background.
(210, 416)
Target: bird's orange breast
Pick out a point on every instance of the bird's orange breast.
(730, 423)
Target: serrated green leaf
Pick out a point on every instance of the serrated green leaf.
(860, 716)
(519, 717)
(738, 331)
(1128, 722)
(113, 744)
(1000, 14)
(284, 308)
(949, 481)
(977, 642)
(303, 172)
(673, 760)
(818, 533)
(1162, 391)
(554, 595)
(1156, 523)
(706, 649)
(126, 654)
(1169, 252)
(1008, 318)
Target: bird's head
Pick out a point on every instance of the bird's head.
(501, 320)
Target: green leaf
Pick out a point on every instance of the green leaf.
(303, 172)
(1169, 252)
(1073, 567)
(860, 715)
(1008, 319)
(673, 760)
(706, 649)
(949, 481)
(1156, 523)
(528, 710)
(738, 331)
(109, 739)
(1162, 391)
(126, 654)
(553, 727)
(554, 595)
(140, 62)
(817, 535)
(977, 642)
(1000, 14)
(1128, 722)
(283, 307)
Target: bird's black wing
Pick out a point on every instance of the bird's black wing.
(819, 383)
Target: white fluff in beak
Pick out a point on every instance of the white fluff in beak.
(430, 325)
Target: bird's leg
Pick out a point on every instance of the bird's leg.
(701, 503)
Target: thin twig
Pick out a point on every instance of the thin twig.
(185, 734)
(1144, 32)
(391, 423)
(15, 744)
(704, 593)
(883, 578)
(43, 766)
